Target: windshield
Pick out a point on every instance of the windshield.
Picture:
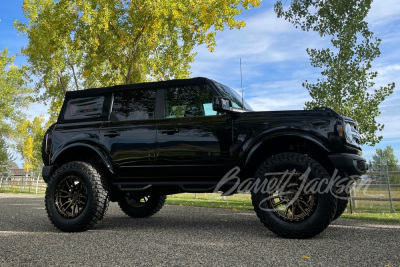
(233, 96)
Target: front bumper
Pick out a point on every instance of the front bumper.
(350, 164)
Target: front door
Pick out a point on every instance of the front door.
(192, 140)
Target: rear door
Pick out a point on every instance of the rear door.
(130, 134)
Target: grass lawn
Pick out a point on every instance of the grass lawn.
(26, 190)
(235, 202)
(376, 217)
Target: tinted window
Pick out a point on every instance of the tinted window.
(188, 101)
(84, 108)
(134, 105)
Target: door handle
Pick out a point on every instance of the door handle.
(93, 135)
(169, 131)
(112, 134)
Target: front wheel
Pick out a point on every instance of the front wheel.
(141, 206)
(291, 197)
(76, 197)
(342, 203)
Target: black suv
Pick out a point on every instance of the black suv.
(135, 144)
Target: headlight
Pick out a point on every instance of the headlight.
(349, 133)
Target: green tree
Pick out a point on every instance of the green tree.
(347, 80)
(82, 44)
(3, 153)
(14, 93)
(6, 159)
(381, 159)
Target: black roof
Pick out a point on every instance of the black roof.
(103, 90)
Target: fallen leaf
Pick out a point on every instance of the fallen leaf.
(305, 257)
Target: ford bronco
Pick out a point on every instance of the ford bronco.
(135, 144)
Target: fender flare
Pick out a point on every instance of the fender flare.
(268, 136)
(104, 157)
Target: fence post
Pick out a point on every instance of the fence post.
(30, 182)
(353, 194)
(388, 187)
(351, 206)
(37, 182)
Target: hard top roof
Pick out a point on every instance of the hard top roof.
(146, 85)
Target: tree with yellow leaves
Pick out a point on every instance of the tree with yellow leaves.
(29, 140)
(81, 44)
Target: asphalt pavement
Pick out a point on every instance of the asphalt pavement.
(185, 236)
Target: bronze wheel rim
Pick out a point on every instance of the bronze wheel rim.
(290, 204)
(71, 197)
(137, 201)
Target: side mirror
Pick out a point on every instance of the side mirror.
(221, 104)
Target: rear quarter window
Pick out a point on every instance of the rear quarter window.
(84, 108)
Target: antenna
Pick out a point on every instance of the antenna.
(241, 82)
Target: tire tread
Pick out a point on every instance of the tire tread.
(100, 197)
(154, 207)
(321, 172)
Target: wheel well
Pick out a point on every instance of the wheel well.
(287, 144)
(82, 153)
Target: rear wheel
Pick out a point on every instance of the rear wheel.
(76, 197)
(287, 205)
(141, 206)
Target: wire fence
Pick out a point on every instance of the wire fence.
(27, 183)
(377, 191)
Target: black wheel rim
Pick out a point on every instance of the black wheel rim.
(136, 201)
(71, 197)
(290, 204)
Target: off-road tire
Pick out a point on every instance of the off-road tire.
(45, 155)
(341, 204)
(321, 212)
(97, 197)
(153, 205)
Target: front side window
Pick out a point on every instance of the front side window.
(188, 101)
(134, 105)
(84, 108)
(234, 96)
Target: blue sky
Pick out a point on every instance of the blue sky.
(274, 60)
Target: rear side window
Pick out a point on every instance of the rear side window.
(84, 108)
(134, 105)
